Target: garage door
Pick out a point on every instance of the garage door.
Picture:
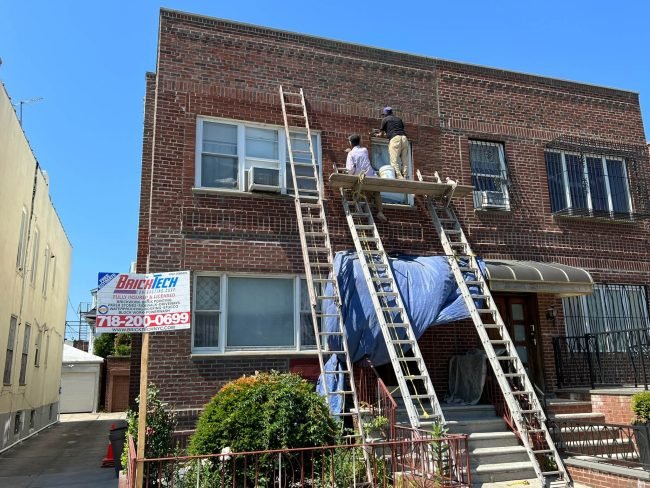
(77, 392)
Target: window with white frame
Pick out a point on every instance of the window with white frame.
(22, 241)
(609, 313)
(250, 313)
(489, 175)
(379, 158)
(22, 377)
(11, 346)
(591, 184)
(243, 156)
(35, 245)
(46, 269)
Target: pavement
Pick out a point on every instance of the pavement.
(67, 454)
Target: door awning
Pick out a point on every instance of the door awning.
(535, 277)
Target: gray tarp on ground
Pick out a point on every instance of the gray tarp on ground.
(429, 293)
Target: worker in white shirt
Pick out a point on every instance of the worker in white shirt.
(358, 163)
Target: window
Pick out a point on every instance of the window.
(46, 269)
(37, 348)
(18, 420)
(11, 345)
(588, 184)
(609, 313)
(47, 347)
(22, 241)
(22, 380)
(379, 158)
(251, 157)
(489, 175)
(244, 313)
(32, 272)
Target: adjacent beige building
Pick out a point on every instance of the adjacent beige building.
(35, 256)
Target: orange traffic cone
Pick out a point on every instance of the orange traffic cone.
(109, 460)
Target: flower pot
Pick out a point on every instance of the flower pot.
(642, 437)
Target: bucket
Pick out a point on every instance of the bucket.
(387, 171)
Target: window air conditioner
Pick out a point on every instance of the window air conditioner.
(263, 179)
(493, 199)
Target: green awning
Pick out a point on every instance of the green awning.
(535, 277)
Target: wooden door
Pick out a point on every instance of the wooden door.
(518, 314)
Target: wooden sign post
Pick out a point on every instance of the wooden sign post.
(142, 410)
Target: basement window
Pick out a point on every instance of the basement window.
(239, 313)
(247, 157)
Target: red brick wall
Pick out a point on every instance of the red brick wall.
(617, 409)
(216, 68)
(597, 479)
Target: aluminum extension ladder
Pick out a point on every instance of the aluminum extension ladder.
(317, 250)
(413, 378)
(518, 391)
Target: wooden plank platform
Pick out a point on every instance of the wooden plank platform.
(410, 187)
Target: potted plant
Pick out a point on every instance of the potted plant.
(641, 409)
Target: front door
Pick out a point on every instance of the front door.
(518, 314)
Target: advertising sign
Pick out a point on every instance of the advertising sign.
(128, 302)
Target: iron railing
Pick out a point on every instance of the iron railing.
(373, 395)
(406, 462)
(627, 445)
(603, 358)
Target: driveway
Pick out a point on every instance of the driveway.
(67, 454)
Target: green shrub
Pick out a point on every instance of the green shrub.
(104, 345)
(262, 412)
(641, 407)
(161, 423)
(122, 345)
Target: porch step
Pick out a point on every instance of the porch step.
(566, 405)
(480, 440)
(494, 455)
(489, 473)
(467, 426)
(460, 412)
(531, 483)
(587, 416)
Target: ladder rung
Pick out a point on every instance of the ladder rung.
(381, 280)
(335, 371)
(416, 377)
(391, 309)
(447, 221)
(522, 392)
(335, 333)
(492, 326)
(314, 234)
(312, 219)
(543, 451)
(320, 265)
(291, 94)
(325, 297)
(296, 115)
(360, 214)
(323, 280)
(306, 178)
(452, 231)
(368, 239)
(506, 358)
(548, 473)
(403, 341)
(420, 396)
(480, 297)
(293, 104)
(514, 375)
(339, 392)
(457, 244)
(412, 359)
(310, 205)
(400, 325)
(531, 411)
(318, 249)
(364, 227)
(473, 282)
(485, 310)
(386, 293)
(499, 341)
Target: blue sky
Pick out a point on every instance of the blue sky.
(88, 59)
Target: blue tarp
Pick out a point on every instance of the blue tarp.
(429, 293)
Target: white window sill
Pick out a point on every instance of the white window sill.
(231, 354)
(493, 211)
(245, 194)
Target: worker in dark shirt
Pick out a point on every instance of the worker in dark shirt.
(399, 151)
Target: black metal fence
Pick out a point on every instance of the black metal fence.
(603, 358)
(627, 445)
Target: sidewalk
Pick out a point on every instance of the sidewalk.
(67, 454)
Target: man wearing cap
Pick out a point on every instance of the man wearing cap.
(398, 145)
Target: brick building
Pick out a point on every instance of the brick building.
(560, 168)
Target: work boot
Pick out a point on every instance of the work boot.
(381, 217)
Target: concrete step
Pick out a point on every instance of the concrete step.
(459, 412)
(587, 416)
(531, 483)
(480, 440)
(470, 426)
(489, 473)
(564, 405)
(495, 455)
